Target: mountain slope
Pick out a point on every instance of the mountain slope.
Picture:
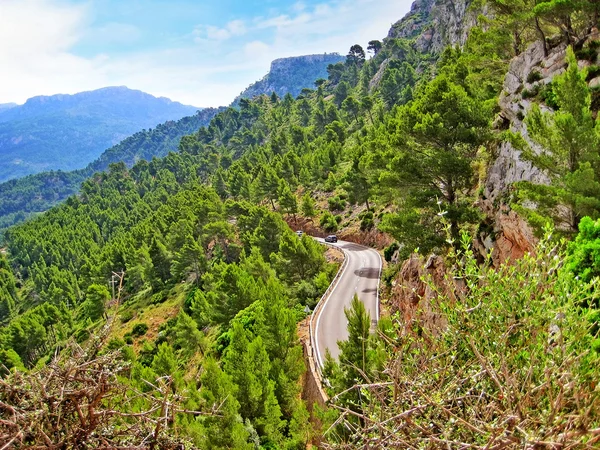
(68, 131)
(19, 198)
(291, 75)
(7, 106)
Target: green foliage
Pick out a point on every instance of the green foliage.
(584, 251)
(366, 221)
(389, 251)
(308, 206)
(183, 231)
(298, 259)
(96, 298)
(336, 203)
(328, 222)
(534, 75)
(570, 141)
(439, 134)
(139, 329)
(8, 291)
(497, 347)
(23, 198)
(360, 358)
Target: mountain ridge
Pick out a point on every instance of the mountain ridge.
(291, 75)
(65, 132)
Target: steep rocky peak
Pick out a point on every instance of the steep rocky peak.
(434, 24)
(284, 64)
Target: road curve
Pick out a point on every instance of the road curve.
(360, 276)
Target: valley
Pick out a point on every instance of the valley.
(177, 291)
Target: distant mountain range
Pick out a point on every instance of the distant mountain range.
(23, 197)
(291, 75)
(5, 106)
(69, 131)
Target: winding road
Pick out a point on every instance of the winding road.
(360, 276)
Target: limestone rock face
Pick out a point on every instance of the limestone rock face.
(291, 75)
(411, 295)
(511, 237)
(435, 24)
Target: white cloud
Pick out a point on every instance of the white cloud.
(38, 38)
(211, 33)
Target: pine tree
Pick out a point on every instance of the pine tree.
(225, 429)
(570, 141)
(308, 206)
(440, 134)
(96, 298)
(287, 200)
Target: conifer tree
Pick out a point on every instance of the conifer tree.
(570, 149)
(287, 200)
(96, 298)
(308, 206)
(218, 392)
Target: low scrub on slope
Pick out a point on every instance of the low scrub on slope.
(515, 365)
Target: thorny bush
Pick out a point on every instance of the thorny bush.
(512, 368)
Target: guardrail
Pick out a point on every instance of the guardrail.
(317, 310)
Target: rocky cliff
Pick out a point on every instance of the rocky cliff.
(510, 236)
(434, 24)
(291, 75)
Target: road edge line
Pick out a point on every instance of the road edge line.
(323, 303)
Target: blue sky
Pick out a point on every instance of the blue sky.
(196, 52)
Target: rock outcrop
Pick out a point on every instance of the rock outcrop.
(416, 285)
(528, 73)
(291, 75)
(435, 24)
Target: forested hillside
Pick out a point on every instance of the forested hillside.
(21, 198)
(69, 131)
(199, 337)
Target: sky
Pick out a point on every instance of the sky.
(200, 53)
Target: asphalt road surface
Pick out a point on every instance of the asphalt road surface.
(361, 277)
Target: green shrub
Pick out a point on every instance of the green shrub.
(336, 203)
(534, 75)
(589, 53)
(548, 95)
(584, 251)
(592, 72)
(82, 335)
(115, 344)
(492, 346)
(158, 298)
(388, 253)
(366, 224)
(328, 222)
(126, 316)
(139, 329)
(366, 220)
(531, 93)
(389, 274)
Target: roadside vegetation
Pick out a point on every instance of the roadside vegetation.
(197, 329)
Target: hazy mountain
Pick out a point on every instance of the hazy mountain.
(291, 75)
(69, 131)
(5, 106)
(20, 198)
